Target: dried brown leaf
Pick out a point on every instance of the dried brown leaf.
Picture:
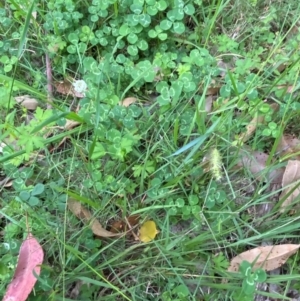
(288, 145)
(123, 225)
(127, 101)
(223, 67)
(267, 258)
(27, 102)
(117, 226)
(251, 128)
(281, 67)
(291, 179)
(292, 172)
(81, 212)
(65, 87)
(8, 184)
(213, 91)
(293, 31)
(274, 106)
(70, 124)
(208, 103)
(288, 88)
(256, 163)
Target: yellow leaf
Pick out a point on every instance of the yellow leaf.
(148, 231)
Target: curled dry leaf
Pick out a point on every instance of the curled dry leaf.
(81, 212)
(208, 103)
(31, 256)
(70, 124)
(289, 145)
(9, 183)
(213, 91)
(288, 88)
(27, 102)
(223, 67)
(267, 258)
(256, 162)
(127, 101)
(290, 178)
(251, 128)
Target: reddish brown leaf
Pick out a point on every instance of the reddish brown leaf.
(117, 226)
(123, 226)
(31, 256)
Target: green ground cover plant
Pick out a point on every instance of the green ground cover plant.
(204, 148)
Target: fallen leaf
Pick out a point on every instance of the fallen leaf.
(212, 91)
(70, 124)
(123, 226)
(118, 226)
(223, 67)
(8, 184)
(65, 87)
(31, 256)
(251, 128)
(288, 145)
(148, 231)
(267, 258)
(81, 212)
(127, 101)
(290, 178)
(255, 161)
(208, 103)
(288, 88)
(257, 120)
(27, 102)
(294, 30)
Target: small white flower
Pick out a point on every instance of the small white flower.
(80, 86)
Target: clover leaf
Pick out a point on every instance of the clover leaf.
(187, 81)
(145, 70)
(99, 151)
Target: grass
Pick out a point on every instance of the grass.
(153, 159)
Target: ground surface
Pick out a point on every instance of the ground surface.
(145, 144)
